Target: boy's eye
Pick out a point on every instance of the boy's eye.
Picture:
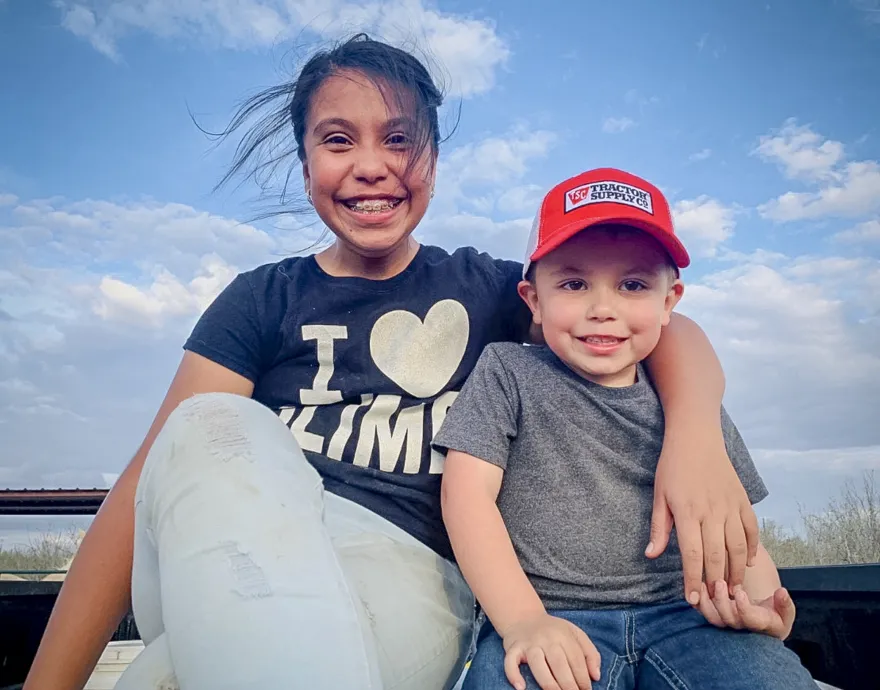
(633, 286)
(574, 285)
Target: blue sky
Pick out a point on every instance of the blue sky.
(758, 119)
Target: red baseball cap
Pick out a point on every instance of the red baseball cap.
(603, 195)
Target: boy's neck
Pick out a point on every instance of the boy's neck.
(624, 378)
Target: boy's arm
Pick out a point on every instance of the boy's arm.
(696, 487)
(481, 542)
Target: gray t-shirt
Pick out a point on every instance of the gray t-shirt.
(579, 462)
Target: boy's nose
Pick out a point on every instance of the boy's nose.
(601, 312)
(601, 305)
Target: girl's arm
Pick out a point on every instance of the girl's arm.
(96, 593)
(696, 487)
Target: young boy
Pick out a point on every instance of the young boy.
(548, 483)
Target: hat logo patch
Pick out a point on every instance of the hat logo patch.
(608, 192)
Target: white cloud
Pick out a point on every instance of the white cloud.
(469, 50)
(503, 239)
(8, 199)
(616, 125)
(870, 10)
(844, 189)
(700, 155)
(18, 387)
(857, 193)
(805, 480)
(91, 234)
(869, 231)
(476, 176)
(703, 224)
(142, 264)
(801, 152)
(520, 200)
(166, 297)
(800, 342)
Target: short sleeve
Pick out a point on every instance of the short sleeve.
(483, 419)
(742, 460)
(229, 332)
(515, 315)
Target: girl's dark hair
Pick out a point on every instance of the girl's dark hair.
(266, 151)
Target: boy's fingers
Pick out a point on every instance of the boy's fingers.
(784, 607)
(540, 669)
(591, 654)
(755, 618)
(577, 662)
(737, 553)
(690, 541)
(559, 664)
(707, 608)
(714, 553)
(661, 527)
(512, 660)
(750, 527)
(726, 608)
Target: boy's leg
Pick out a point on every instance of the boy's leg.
(688, 653)
(606, 629)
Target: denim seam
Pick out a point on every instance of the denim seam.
(632, 655)
(665, 670)
(614, 672)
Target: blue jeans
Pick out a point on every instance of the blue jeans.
(660, 647)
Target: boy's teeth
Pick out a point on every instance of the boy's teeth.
(600, 340)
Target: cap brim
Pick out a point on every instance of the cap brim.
(669, 242)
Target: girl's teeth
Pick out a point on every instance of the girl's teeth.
(373, 205)
(602, 341)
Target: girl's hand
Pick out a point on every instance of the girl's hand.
(773, 616)
(559, 654)
(697, 489)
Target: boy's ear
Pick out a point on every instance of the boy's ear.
(676, 290)
(529, 294)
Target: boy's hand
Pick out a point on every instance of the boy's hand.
(774, 616)
(697, 488)
(560, 654)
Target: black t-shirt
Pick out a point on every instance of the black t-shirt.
(363, 371)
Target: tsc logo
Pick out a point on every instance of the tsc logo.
(576, 196)
(608, 192)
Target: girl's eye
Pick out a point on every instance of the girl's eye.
(398, 140)
(574, 285)
(337, 140)
(633, 286)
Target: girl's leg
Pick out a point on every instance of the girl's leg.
(416, 605)
(233, 562)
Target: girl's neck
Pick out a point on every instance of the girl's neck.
(340, 261)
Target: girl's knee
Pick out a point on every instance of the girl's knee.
(217, 437)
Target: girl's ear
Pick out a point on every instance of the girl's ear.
(307, 180)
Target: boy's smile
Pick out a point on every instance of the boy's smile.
(602, 299)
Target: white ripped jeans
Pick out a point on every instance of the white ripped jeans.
(247, 575)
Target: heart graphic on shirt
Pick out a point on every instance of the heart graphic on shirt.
(421, 356)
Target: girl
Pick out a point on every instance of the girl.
(280, 526)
